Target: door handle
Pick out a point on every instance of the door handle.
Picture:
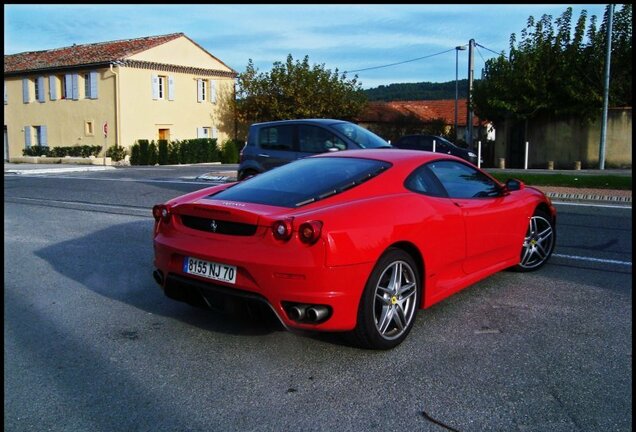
(263, 155)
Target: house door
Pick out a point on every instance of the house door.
(164, 134)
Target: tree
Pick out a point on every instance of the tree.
(554, 71)
(295, 89)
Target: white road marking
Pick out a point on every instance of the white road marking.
(600, 260)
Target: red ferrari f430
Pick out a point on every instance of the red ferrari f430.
(353, 241)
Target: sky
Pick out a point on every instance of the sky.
(348, 37)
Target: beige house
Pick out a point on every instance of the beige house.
(157, 87)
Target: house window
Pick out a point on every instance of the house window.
(201, 90)
(37, 88)
(36, 137)
(204, 132)
(65, 92)
(162, 86)
(89, 128)
(90, 85)
(87, 85)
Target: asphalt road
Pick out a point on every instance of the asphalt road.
(92, 344)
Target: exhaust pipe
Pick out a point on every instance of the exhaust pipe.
(158, 277)
(297, 313)
(317, 313)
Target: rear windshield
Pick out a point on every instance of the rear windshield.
(304, 181)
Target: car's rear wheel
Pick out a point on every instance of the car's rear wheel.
(389, 302)
(538, 242)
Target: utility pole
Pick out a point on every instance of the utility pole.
(608, 58)
(471, 74)
(457, 50)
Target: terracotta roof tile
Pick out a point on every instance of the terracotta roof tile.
(77, 55)
(424, 110)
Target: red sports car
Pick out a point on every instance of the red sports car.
(353, 241)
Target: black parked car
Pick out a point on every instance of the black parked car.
(442, 145)
(271, 144)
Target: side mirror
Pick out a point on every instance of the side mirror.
(514, 185)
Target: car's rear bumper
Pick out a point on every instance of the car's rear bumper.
(279, 276)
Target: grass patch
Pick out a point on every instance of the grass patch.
(570, 180)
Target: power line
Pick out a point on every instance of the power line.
(494, 52)
(402, 62)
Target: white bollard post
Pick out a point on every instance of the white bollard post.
(525, 163)
(478, 154)
(433, 146)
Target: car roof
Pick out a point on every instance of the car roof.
(391, 155)
(297, 121)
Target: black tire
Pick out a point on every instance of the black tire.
(242, 175)
(385, 320)
(538, 243)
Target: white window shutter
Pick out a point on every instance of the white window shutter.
(43, 138)
(25, 90)
(201, 132)
(75, 80)
(41, 94)
(52, 88)
(199, 90)
(93, 78)
(212, 91)
(215, 132)
(171, 87)
(27, 136)
(155, 87)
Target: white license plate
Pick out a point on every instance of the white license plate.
(210, 270)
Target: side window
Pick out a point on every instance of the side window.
(409, 143)
(426, 143)
(277, 138)
(314, 139)
(462, 181)
(423, 181)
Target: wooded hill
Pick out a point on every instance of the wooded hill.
(418, 91)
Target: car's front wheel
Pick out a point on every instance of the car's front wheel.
(538, 242)
(389, 302)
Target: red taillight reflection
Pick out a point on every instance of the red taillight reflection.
(282, 229)
(309, 232)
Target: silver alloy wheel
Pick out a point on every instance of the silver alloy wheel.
(538, 243)
(395, 300)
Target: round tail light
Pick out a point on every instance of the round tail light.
(282, 229)
(162, 212)
(309, 232)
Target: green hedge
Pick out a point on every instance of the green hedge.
(73, 151)
(164, 152)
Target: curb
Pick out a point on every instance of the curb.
(588, 197)
(59, 170)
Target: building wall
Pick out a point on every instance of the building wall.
(142, 117)
(182, 52)
(65, 119)
(567, 141)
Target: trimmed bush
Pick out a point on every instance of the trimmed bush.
(230, 151)
(116, 152)
(163, 152)
(135, 155)
(173, 152)
(36, 151)
(152, 153)
(144, 151)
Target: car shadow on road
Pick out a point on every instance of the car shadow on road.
(117, 263)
